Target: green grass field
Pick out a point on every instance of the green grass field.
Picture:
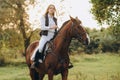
(86, 67)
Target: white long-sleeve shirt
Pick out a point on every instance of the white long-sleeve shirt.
(51, 23)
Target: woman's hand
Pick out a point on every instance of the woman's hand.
(54, 27)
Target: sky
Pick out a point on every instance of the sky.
(74, 8)
(81, 9)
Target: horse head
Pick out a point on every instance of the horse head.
(78, 31)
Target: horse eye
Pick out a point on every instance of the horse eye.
(79, 27)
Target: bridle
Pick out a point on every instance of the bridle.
(78, 36)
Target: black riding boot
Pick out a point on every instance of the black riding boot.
(38, 56)
(38, 59)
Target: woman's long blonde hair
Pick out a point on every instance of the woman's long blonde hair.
(48, 9)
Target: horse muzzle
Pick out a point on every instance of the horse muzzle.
(86, 42)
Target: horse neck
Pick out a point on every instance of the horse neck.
(63, 39)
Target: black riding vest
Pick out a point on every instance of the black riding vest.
(45, 32)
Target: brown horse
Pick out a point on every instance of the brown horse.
(57, 60)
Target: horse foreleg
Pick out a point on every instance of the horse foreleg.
(41, 76)
(64, 74)
(34, 75)
(50, 75)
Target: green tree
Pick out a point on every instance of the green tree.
(13, 15)
(108, 12)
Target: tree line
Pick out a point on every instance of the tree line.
(102, 40)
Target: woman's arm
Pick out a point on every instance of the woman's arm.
(43, 27)
(42, 24)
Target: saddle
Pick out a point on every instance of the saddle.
(46, 49)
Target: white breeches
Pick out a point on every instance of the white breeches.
(42, 42)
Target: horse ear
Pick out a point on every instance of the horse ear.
(78, 20)
(72, 19)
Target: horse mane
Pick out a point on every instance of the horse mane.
(63, 25)
(67, 22)
(61, 28)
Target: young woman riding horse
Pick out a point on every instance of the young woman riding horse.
(57, 60)
(48, 30)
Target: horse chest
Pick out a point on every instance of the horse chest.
(58, 65)
(59, 68)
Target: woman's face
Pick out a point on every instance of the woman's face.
(51, 9)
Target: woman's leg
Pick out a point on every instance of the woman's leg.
(42, 42)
